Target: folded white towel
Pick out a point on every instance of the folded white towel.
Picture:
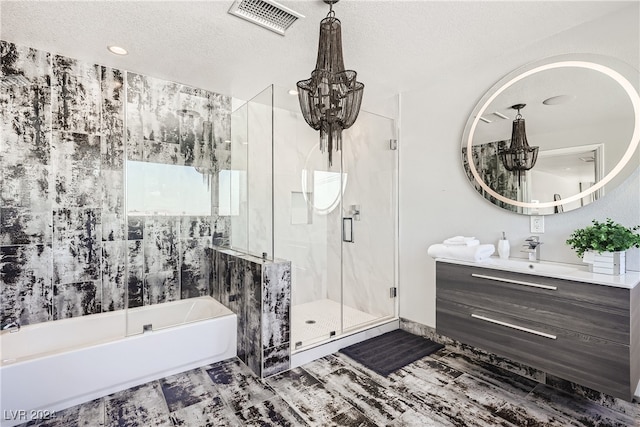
(461, 253)
(461, 241)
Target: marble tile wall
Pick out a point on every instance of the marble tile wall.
(276, 317)
(65, 240)
(175, 124)
(259, 292)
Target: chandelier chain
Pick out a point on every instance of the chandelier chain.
(331, 13)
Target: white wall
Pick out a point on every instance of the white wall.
(437, 201)
(544, 185)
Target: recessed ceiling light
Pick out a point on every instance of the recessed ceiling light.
(560, 99)
(293, 92)
(117, 50)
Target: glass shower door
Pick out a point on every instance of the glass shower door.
(369, 209)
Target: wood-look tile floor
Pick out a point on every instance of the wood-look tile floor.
(448, 388)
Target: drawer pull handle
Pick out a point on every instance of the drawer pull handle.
(509, 325)
(516, 282)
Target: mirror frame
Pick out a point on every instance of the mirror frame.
(561, 61)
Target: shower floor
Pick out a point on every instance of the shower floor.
(312, 322)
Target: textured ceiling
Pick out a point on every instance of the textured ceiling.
(394, 45)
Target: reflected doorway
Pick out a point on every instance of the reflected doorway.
(564, 172)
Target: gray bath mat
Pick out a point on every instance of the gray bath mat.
(389, 352)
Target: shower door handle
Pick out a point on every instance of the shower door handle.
(347, 230)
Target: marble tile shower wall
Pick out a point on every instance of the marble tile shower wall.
(259, 292)
(65, 240)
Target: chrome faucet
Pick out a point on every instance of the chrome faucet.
(532, 247)
(12, 326)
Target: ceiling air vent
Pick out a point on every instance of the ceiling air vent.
(266, 13)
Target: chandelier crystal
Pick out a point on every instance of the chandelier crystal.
(330, 100)
(519, 157)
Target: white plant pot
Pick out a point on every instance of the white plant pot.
(609, 263)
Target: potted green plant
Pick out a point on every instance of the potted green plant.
(603, 245)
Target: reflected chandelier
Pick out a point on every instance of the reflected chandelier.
(519, 157)
(330, 100)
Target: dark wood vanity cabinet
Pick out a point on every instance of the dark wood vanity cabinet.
(583, 332)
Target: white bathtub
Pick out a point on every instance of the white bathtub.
(50, 366)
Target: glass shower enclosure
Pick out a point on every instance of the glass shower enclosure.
(337, 224)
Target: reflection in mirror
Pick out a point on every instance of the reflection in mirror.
(581, 113)
(326, 192)
(163, 189)
(565, 171)
(322, 185)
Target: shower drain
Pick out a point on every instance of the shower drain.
(310, 322)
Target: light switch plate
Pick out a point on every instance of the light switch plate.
(537, 224)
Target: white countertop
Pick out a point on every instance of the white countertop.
(575, 272)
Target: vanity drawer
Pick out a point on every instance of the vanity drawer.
(594, 362)
(600, 311)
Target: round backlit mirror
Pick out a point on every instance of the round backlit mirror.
(582, 112)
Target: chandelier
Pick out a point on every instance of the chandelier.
(519, 157)
(330, 100)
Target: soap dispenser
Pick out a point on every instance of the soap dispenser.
(503, 247)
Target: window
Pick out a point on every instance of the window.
(229, 192)
(161, 189)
